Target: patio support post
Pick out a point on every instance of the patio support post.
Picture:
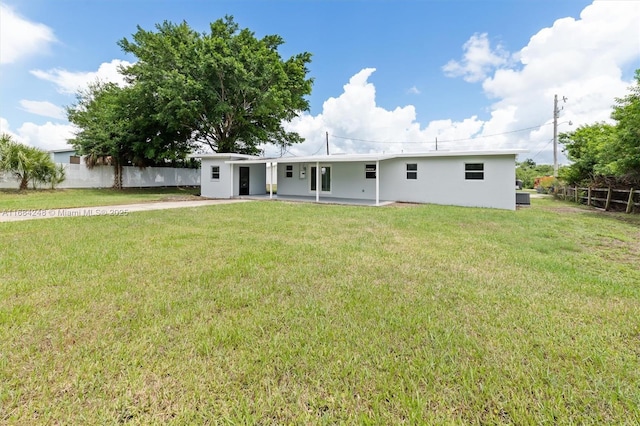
(377, 182)
(231, 180)
(318, 183)
(271, 180)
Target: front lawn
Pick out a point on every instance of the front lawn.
(11, 199)
(283, 313)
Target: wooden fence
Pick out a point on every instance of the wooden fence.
(602, 198)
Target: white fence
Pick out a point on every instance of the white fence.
(78, 176)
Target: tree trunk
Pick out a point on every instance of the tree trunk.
(117, 175)
(24, 183)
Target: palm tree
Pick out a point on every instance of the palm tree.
(26, 163)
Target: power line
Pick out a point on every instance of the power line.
(543, 148)
(440, 141)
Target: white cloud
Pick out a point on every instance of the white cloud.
(581, 59)
(478, 60)
(414, 91)
(47, 136)
(20, 38)
(357, 125)
(69, 82)
(4, 128)
(43, 108)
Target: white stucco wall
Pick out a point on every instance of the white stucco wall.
(293, 185)
(441, 180)
(215, 188)
(257, 179)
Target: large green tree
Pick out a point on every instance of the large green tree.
(119, 126)
(626, 112)
(605, 152)
(590, 150)
(225, 88)
(28, 164)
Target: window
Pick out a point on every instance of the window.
(412, 171)
(215, 172)
(289, 171)
(474, 171)
(370, 171)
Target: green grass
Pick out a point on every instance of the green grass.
(279, 313)
(63, 198)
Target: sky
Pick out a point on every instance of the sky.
(389, 76)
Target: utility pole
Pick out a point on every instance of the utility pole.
(555, 135)
(556, 114)
(327, 134)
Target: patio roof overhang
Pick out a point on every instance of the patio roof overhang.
(361, 158)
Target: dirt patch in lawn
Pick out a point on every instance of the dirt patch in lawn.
(186, 197)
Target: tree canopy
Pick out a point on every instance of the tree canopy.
(605, 152)
(225, 88)
(626, 112)
(119, 126)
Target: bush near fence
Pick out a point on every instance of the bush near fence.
(627, 200)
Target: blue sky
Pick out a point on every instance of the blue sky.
(452, 70)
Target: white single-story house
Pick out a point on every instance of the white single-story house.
(469, 178)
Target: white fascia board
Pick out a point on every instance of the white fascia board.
(252, 161)
(223, 155)
(336, 158)
(463, 153)
(353, 158)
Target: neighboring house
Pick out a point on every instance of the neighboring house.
(66, 156)
(470, 178)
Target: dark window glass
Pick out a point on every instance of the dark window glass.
(473, 166)
(215, 172)
(474, 175)
(412, 171)
(370, 171)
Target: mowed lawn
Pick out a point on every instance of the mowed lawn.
(284, 313)
(11, 199)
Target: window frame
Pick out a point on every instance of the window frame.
(288, 171)
(412, 171)
(474, 171)
(215, 174)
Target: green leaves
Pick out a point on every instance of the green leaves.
(627, 113)
(121, 126)
(227, 88)
(603, 151)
